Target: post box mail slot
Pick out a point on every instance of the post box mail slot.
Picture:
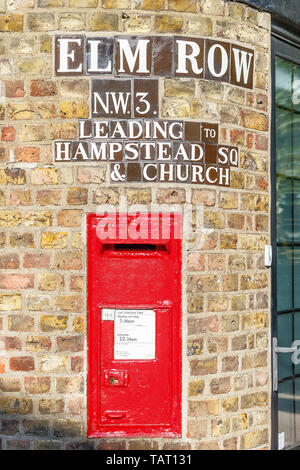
(134, 327)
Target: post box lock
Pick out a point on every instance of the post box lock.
(116, 378)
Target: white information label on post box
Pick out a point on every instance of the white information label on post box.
(134, 334)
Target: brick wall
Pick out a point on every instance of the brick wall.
(226, 302)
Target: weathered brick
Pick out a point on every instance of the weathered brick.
(66, 428)
(228, 241)
(255, 399)
(203, 283)
(77, 283)
(10, 343)
(49, 197)
(63, 130)
(195, 303)
(44, 176)
(41, 21)
(105, 196)
(255, 320)
(20, 322)
(138, 196)
(256, 121)
(203, 324)
(18, 444)
(196, 429)
(10, 384)
(199, 409)
(25, 240)
(38, 302)
(37, 385)
(16, 281)
(69, 218)
(175, 108)
(32, 66)
(216, 262)
(78, 324)
(149, 5)
(254, 439)
(24, 363)
(27, 154)
(21, 198)
(230, 322)
(196, 262)
(50, 281)
(179, 88)
(53, 322)
(168, 24)
(221, 385)
(14, 89)
(10, 302)
(37, 343)
(255, 281)
(38, 219)
(51, 406)
(203, 366)
(69, 384)
(36, 260)
(217, 344)
(86, 175)
(10, 218)
(36, 427)
(217, 303)
(77, 364)
(70, 343)
(116, 4)
(51, 240)
(11, 23)
(196, 388)
(77, 196)
(74, 109)
(10, 426)
(47, 445)
(53, 363)
(194, 347)
(69, 303)
(9, 261)
(104, 22)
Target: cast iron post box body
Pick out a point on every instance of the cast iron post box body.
(134, 295)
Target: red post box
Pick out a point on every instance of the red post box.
(134, 325)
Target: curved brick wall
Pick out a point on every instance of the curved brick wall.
(226, 304)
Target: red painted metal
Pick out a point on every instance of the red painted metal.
(128, 273)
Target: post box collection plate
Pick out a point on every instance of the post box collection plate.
(134, 334)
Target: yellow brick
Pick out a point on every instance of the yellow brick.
(11, 23)
(38, 219)
(183, 5)
(53, 322)
(78, 324)
(10, 218)
(104, 22)
(51, 240)
(34, 66)
(83, 3)
(168, 24)
(44, 176)
(21, 110)
(116, 4)
(157, 5)
(72, 109)
(10, 302)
